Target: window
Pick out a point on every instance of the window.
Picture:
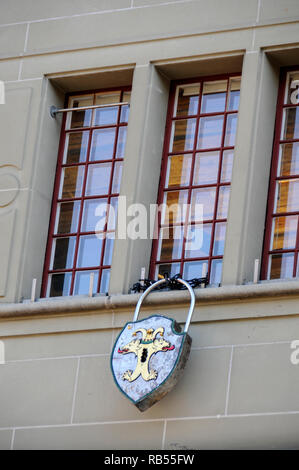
(281, 244)
(196, 172)
(81, 234)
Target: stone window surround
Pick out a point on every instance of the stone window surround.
(254, 140)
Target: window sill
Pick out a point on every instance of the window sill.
(264, 290)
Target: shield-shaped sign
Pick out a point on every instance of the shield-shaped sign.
(148, 359)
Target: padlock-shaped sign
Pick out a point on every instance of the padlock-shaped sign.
(149, 355)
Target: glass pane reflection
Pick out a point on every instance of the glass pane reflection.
(231, 128)
(76, 147)
(281, 266)
(63, 253)
(291, 130)
(183, 135)
(202, 204)
(94, 215)
(106, 116)
(219, 239)
(198, 241)
(90, 250)
(105, 281)
(59, 284)
(102, 145)
(98, 179)
(234, 94)
(67, 217)
(287, 196)
(82, 281)
(227, 166)
(167, 269)
(71, 182)
(206, 168)
(289, 159)
(174, 209)
(178, 170)
(194, 269)
(210, 132)
(187, 101)
(213, 97)
(284, 232)
(80, 118)
(171, 243)
(216, 271)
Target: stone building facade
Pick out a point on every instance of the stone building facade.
(240, 387)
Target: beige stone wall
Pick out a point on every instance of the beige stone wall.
(240, 388)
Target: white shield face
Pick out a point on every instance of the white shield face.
(145, 354)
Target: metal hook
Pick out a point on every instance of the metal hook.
(156, 284)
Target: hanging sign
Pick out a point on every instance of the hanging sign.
(149, 355)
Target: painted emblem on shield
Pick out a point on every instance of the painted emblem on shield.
(148, 358)
(149, 355)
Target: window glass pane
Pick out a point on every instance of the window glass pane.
(102, 144)
(284, 231)
(231, 128)
(206, 168)
(183, 133)
(117, 173)
(219, 239)
(174, 209)
(178, 170)
(223, 202)
(59, 284)
(281, 266)
(292, 89)
(289, 159)
(71, 182)
(125, 110)
(216, 271)
(80, 118)
(105, 281)
(168, 269)
(63, 253)
(106, 116)
(213, 97)
(82, 281)
(67, 217)
(193, 269)
(109, 248)
(203, 200)
(90, 249)
(112, 217)
(210, 132)
(98, 179)
(94, 215)
(121, 142)
(287, 196)
(187, 100)
(198, 241)
(227, 166)
(76, 147)
(170, 243)
(234, 94)
(291, 126)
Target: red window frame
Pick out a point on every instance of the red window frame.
(166, 153)
(58, 178)
(274, 178)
